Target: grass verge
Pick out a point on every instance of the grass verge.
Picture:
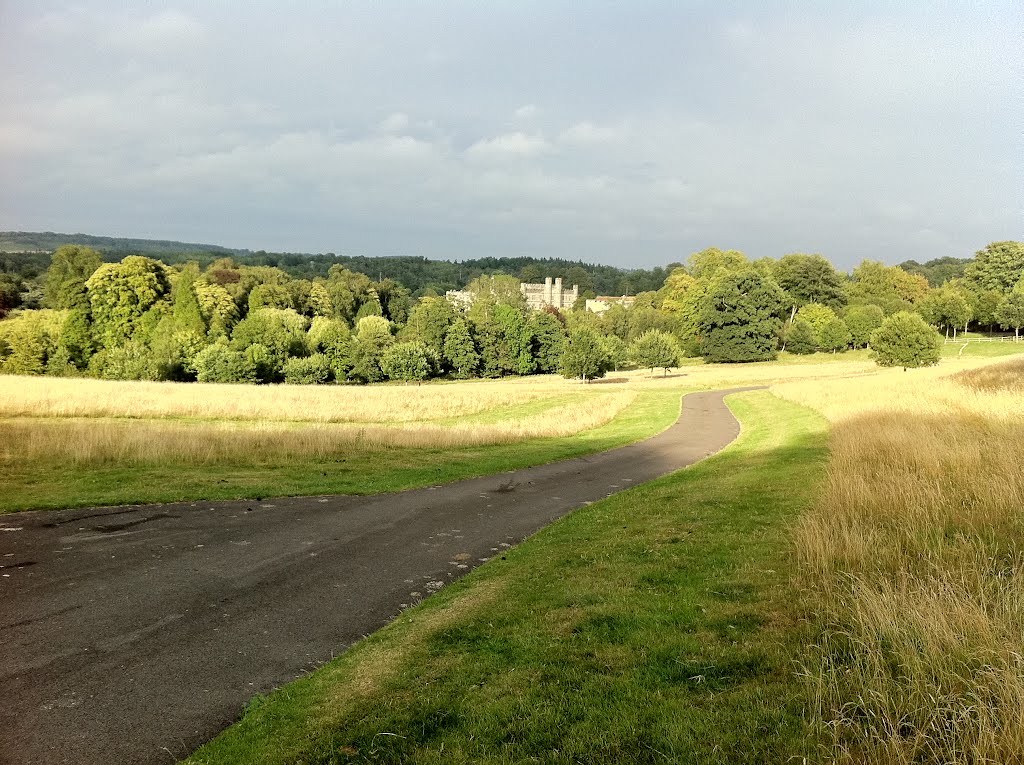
(47, 483)
(658, 625)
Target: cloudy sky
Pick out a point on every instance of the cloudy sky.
(624, 133)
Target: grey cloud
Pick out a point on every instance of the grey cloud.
(626, 135)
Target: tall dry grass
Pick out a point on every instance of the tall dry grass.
(914, 563)
(93, 441)
(84, 397)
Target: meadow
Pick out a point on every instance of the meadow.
(75, 442)
(843, 584)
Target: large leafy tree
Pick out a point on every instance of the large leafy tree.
(548, 339)
(373, 338)
(801, 338)
(70, 268)
(741, 318)
(997, 267)
(889, 287)
(460, 351)
(946, 307)
(809, 279)
(707, 264)
(1010, 311)
(279, 332)
(407, 362)
(120, 294)
(905, 340)
(333, 339)
(429, 322)
(862, 321)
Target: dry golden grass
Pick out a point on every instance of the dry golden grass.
(84, 397)
(914, 559)
(93, 441)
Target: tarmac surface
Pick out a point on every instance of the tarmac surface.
(135, 634)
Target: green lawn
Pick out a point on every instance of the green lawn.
(659, 625)
(48, 485)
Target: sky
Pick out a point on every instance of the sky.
(625, 133)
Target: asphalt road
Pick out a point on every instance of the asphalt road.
(134, 634)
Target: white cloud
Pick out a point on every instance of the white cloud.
(395, 123)
(527, 111)
(508, 145)
(589, 133)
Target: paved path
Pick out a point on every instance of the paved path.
(134, 634)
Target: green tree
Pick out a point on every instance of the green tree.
(181, 333)
(801, 338)
(616, 351)
(10, 293)
(1010, 311)
(373, 338)
(31, 338)
(583, 355)
(862, 321)
(997, 267)
(333, 339)
(741, 318)
(70, 267)
(835, 336)
(945, 307)
(310, 370)
(121, 293)
(809, 279)
(281, 333)
(218, 363)
(270, 296)
(217, 306)
(548, 339)
(319, 302)
(348, 291)
(395, 300)
(429, 323)
(817, 315)
(905, 340)
(653, 349)
(407, 362)
(889, 287)
(460, 352)
(708, 264)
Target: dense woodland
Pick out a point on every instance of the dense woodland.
(267, 318)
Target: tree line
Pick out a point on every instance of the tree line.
(231, 321)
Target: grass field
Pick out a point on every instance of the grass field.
(82, 442)
(655, 626)
(913, 565)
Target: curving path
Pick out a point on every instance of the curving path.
(134, 634)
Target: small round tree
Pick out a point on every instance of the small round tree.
(862, 320)
(655, 348)
(801, 338)
(905, 340)
(583, 355)
(834, 336)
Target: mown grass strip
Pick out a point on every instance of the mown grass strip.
(659, 625)
(48, 484)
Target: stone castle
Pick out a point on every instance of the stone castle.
(540, 295)
(537, 295)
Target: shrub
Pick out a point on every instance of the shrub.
(801, 338)
(905, 340)
(406, 362)
(311, 370)
(221, 364)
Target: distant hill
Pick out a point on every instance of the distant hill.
(27, 254)
(48, 241)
